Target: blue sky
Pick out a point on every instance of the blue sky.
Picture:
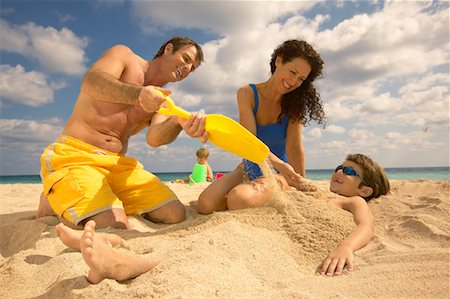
(385, 90)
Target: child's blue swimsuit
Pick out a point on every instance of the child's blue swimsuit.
(273, 135)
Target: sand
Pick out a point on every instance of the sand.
(269, 252)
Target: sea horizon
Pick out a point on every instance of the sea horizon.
(397, 173)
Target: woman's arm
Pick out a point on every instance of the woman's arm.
(294, 147)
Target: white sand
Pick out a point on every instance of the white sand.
(270, 252)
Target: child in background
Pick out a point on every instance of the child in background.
(202, 172)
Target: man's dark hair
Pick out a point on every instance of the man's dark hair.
(179, 42)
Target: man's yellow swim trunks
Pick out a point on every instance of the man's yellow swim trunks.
(81, 180)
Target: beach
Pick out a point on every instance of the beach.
(268, 252)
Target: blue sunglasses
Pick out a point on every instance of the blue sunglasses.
(350, 171)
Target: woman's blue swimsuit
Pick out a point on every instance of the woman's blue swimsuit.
(273, 135)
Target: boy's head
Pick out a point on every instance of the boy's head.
(360, 175)
(202, 155)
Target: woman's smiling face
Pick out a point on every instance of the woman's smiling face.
(292, 73)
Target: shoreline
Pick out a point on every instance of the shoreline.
(402, 173)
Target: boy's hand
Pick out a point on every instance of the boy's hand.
(336, 261)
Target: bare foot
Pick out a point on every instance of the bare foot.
(105, 262)
(71, 237)
(44, 208)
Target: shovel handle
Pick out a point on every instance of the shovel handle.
(172, 109)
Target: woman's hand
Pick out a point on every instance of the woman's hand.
(291, 176)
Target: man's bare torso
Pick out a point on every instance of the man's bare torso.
(110, 125)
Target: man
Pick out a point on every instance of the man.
(85, 173)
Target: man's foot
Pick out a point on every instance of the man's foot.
(71, 237)
(44, 208)
(105, 262)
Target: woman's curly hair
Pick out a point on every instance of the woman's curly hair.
(302, 104)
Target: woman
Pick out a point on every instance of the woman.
(275, 111)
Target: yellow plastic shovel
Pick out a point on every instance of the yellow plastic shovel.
(225, 133)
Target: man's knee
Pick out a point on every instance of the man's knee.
(170, 213)
(115, 218)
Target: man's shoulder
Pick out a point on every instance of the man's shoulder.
(120, 48)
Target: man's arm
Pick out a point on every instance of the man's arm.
(102, 81)
(162, 130)
(343, 254)
(102, 86)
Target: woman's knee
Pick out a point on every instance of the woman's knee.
(238, 198)
(203, 205)
(209, 202)
(250, 195)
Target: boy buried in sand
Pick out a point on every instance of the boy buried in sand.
(358, 179)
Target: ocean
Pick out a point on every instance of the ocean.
(413, 173)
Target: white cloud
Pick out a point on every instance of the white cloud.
(28, 135)
(383, 103)
(28, 88)
(315, 133)
(218, 17)
(361, 134)
(65, 18)
(400, 39)
(57, 51)
(335, 129)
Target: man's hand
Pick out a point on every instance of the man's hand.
(195, 126)
(149, 100)
(336, 261)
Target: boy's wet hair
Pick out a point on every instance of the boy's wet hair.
(202, 153)
(373, 174)
(179, 42)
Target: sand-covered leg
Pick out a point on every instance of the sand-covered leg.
(105, 262)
